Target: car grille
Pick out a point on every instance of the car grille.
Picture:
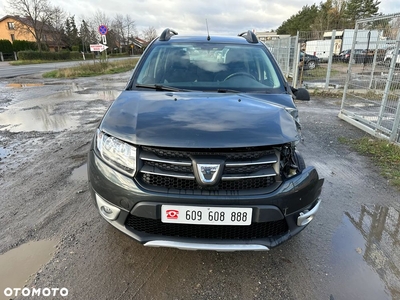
(245, 170)
(224, 232)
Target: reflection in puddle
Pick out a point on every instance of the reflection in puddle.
(47, 113)
(4, 153)
(79, 174)
(37, 119)
(23, 85)
(366, 250)
(17, 265)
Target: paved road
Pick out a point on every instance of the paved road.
(9, 71)
(350, 251)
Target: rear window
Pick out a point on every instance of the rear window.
(210, 67)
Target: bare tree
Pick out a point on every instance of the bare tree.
(130, 28)
(57, 21)
(36, 17)
(118, 27)
(149, 34)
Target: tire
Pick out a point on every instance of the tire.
(299, 161)
(311, 65)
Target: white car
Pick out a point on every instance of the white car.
(389, 56)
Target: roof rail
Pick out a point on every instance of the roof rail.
(249, 36)
(166, 34)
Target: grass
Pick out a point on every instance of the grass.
(385, 155)
(93, 69)
(30, 62)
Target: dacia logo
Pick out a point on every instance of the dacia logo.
(208, 172)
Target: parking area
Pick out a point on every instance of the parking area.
(345, 253)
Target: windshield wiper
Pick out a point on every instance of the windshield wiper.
(160, 87)
(227, 91)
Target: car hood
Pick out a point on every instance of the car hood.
(200, 120)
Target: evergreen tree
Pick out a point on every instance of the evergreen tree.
(302, 21)
(71, 32)
(360, 9)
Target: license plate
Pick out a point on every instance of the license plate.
(206, 215)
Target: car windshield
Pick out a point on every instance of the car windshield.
(210, 67)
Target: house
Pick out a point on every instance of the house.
(20, 28)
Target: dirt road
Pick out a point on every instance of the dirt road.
(350, 251)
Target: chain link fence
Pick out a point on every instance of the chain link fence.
(362, 64)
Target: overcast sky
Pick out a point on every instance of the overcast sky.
(188, 16)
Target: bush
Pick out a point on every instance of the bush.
(35, 55)
(19, 45)
(6, 46)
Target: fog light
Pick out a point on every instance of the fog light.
(107, 210)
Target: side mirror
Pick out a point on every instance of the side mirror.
(301, 94)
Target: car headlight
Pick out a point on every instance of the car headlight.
(116, 152)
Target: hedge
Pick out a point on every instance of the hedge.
(35, 55)
(6, 46)
(19, 45)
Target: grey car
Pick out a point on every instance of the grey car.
(199, 151)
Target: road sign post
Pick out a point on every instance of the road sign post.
(103, 30)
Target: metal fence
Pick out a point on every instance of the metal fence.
(371, 95)
(361, 63)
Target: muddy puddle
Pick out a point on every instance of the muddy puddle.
(24, 85)
(4, 152)
(367, 249)
(51, 113)
(37, 119)
(79, 174)
(17, 265)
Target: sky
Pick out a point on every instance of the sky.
(189, 16)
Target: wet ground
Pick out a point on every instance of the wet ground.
(350, 251)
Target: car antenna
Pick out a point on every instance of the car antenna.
(208, 32)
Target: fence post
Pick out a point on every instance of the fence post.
(377, 44)
(1, 56)
(348, 77)
(394, 136)
(296, 61)
(288, 57)
(328, 71)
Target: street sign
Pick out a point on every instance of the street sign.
(104, 40)
(103, 29)
(98, 47)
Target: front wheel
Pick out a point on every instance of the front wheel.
(311, 65)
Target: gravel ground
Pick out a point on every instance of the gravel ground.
(345, 253)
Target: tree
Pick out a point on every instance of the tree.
(360, 9)
(57, 22)
(302, 21)
(329, 15)
(71, 32)
(37, 17)
(118, 27)
(130, 28)
(149, 34)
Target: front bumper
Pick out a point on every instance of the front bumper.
(120, 200)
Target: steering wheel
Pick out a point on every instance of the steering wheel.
(240, 74)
